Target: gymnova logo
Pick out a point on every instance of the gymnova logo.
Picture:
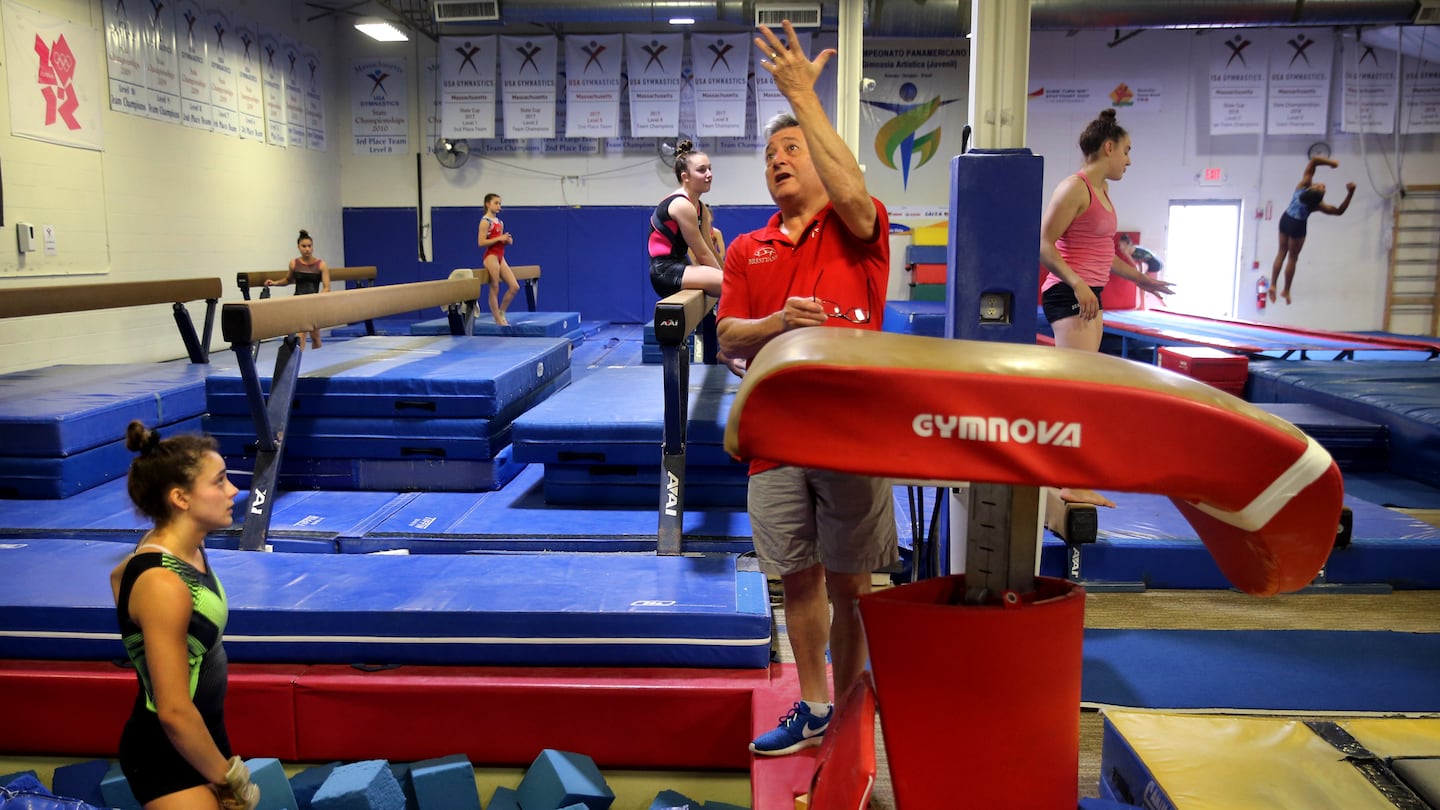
(996, 429)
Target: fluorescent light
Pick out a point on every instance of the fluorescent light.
(381, 30)
(682, 20)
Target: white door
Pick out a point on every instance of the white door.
(1202, 256)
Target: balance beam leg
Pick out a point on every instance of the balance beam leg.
(1071, 522)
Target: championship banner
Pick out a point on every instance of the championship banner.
(1133, 94)
(190, 47)
(466, 91)
(430, 105)
(162, 67)
(221, 56)
(1369, 88)
(272, 80)
(314, 100)
(125, 58)
(1299, 93)
(527, 85)
(57, 87)
(249, 97)
(653, 64)
(1237, 84)
(1420, 98)
(379, 106)
(768, 100)
(290, 62)
(721, 66)
(913, 117)
(592, 85)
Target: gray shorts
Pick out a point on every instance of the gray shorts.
(801, 516)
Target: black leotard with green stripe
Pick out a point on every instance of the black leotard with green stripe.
(150, 762)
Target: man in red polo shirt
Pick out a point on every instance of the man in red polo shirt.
(822, 260)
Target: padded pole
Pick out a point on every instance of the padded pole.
(676, 318)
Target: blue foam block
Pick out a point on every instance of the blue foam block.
(504, 799)
(304, 784)
(80, 780)
(401, 771)
(366, 785)
(445, 783)
(1102, 804)
(670, 800)
(269, 775)
(561, 778)
(575, 806)
(115, 790)
(21, 780)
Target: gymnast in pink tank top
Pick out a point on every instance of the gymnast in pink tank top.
(1078, 250)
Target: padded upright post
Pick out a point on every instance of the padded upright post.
(994, 253)
(978, 702)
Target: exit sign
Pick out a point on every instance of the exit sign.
(1212, 177)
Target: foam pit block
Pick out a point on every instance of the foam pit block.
(21, 780)
(445, 783)
(671, 800)
(115, 790)
(401, 771)
(1103, 804)
(561, 778)
(80, 780)
(575, 806)
(366, 785)
(305, 784)
(504, 799)
(269, 775)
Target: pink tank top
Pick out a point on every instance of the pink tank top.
(1088, 245)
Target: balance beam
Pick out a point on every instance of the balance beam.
(676, 318)
(27, 301)
(245, 322)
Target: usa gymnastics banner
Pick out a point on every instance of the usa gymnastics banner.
(1369, 75)
(1420, 98)
(56, 79)
(465, 87)
(162, 70)
(294, 66)
(125, 54)
(1237, 84)
(272, 79)
(379, 106)
(768, 100)
(910, 123)
(1298, 97)
(191, 47)
(592, 85)
(721, 66)
(314, 99)
(249, 97)
(527, 85)
(653, 65)
(220, 42)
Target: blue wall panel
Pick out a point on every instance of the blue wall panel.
(593, 258)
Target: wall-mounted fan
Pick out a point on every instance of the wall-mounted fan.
(666, 148)
(452, 153)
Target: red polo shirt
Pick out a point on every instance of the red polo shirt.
(765, 267)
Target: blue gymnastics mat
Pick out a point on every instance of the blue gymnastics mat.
(1146, 540)
(517, 518)
(388, 474)
(926, 318)
(617, 416)
(1263, 671)
(62, 477)
(591, 610)
(58, 411)
(522, 324)
(433, 377)
(1403, 397)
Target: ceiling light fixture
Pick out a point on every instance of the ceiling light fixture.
(381, 30)
(682, 20)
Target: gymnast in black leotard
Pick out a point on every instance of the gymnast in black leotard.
(684, 246)
(308, 273)
(171, 610)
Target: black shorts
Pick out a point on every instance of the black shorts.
(1292, 227)
(152, 766)
(1059, 302)
(667, 275)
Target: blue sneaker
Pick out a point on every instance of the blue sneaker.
(798, 729)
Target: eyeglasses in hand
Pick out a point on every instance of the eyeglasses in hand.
(834, 310)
